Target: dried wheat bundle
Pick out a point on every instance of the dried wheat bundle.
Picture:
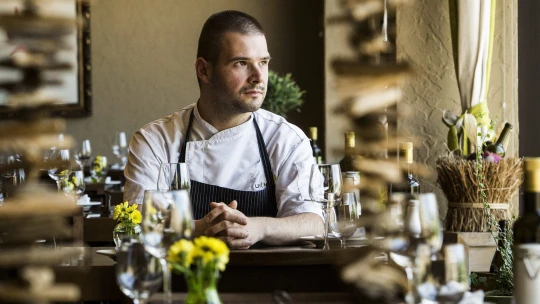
(460, 182)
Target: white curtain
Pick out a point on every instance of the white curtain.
(472, 25)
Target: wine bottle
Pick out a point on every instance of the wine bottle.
(527, 237)
(498, 147)
(410, 185)
(317, 152)
(348, 162)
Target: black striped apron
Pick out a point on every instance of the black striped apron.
(251, 203)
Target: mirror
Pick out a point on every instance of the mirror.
(74, 92)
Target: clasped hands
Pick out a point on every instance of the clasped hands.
(230, 225)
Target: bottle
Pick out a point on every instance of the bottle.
(348, 162)
(498, 147)
(410, 184)
(527, 237)
(317, 153)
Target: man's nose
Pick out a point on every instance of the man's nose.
(256, 75)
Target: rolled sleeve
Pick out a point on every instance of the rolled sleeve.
(292, 184)
(142, 168)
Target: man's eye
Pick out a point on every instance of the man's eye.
(241, 63)
(264, 62)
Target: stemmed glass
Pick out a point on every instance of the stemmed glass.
(138, 273)
(343, 218)
(59, 165)
(120, 147)
(173, 176)
(74, 185)
(83, 153)
(99, 168)
(431, 231)
(325, 189)
(167, 217)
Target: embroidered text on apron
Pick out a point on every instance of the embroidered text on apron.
(251, 203)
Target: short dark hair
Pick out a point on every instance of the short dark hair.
(221, 23)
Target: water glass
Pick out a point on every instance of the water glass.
(58, 165)
(83, 153)
(167, 218)
(430, 224)
(99, 168)
(138, 273)
(325, 189)
(120, 147)
(343, 218)
(73, 185)
(173, 176)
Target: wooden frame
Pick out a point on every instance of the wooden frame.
(82, 107)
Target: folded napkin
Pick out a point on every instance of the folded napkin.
(85, 199)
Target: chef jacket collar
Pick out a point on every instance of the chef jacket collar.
(220, 135)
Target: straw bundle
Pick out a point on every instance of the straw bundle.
(458, 180)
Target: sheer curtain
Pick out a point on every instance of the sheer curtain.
(472, 24)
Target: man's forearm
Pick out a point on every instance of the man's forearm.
(281, 231)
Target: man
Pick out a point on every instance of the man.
(249, 168)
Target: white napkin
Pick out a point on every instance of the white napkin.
(476, 297)
(85, 199)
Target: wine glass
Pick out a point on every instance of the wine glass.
(138, 273)
(99, 168)
(343, 218)
(11, 179)
(59, 165)
(74, 185)
(167, 217)
(173, 176)
(431, 231)
(83, 153)
(325, 189)
(120, 147)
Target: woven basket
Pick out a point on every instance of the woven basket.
(458, 180)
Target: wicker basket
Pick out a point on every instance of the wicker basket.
(458, 180)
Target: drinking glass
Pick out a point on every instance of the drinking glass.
(120, 147)
(12, 178)
(343, 218)
(138, 273)
(99, 168)
(167, 217)
(83, 153)
(173, 176)
(431, 231)
(73, 185)
(325, 190)
(59, 165)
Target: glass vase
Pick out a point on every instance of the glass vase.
(202, 292)
(123, 230)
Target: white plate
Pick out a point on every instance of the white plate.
(108, 252)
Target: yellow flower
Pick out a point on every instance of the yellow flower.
(212, 250)
(181, 253)
(75, 180)
(118, 213)
(135, 216)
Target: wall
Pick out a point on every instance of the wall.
(143, 55)
(424, 40)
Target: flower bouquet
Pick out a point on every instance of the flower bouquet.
(128, 218)
(200, 261)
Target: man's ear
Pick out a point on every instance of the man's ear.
(204, 70)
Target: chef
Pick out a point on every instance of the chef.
(249, 168)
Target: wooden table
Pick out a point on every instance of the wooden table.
(291, 269)
(268, 298)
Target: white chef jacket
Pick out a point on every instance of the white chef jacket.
(228, 158)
